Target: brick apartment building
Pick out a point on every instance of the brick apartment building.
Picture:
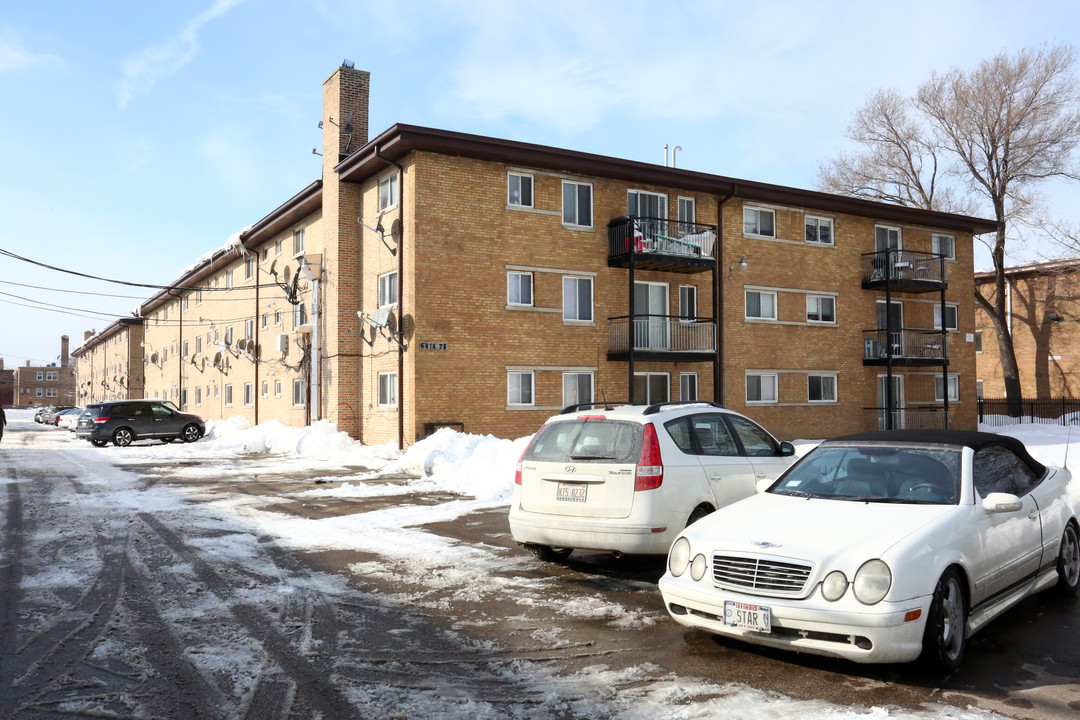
(438, 278)
(108, 365)
(7, 385)
(51, 384)
(1043, 304)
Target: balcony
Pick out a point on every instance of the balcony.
(905, 347)
(661, 244)
(919, 417)
(904, 271)
(662, 337)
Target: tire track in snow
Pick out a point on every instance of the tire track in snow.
(11, 552)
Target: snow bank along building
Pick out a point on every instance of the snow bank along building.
(435, 278)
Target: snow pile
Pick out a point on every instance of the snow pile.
(320, 441)
(478, 465)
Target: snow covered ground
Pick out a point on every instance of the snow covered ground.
(475, 474)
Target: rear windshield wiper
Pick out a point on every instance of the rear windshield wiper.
(593, 457)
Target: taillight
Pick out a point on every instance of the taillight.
(650, 468)
(101, 419)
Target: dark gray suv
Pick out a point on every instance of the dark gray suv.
(122, 422)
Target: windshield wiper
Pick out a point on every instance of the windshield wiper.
(593, 457)
(797, 493)
(878, 499)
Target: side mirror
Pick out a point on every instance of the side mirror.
(786, 449)
(1002, 503)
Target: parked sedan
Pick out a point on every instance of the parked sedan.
(881, 547)
(68, 418)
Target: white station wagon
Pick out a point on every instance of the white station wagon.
(627, 479)
(881, 547)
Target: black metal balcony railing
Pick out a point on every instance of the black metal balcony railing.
(904, 344)
(660, 236)
(663, 333)
(920, 417)
(903, 266)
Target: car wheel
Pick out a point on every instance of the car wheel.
(945, 635)
(550, 554)
(98, 443)
(1068, 561)
(699, 512)
(191, 433)
(123, 437)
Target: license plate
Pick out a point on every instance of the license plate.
(571, 492)
(747, 616)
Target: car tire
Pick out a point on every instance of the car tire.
(550, 554)
(945, 636)
(699, 512)
(123, 437)
(1068, 561)
(190, 433)
(99, 443)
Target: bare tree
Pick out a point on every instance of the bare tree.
(1001, 129)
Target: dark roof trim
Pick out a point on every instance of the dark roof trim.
(399, 140)
(106, 334)
(1043, 268)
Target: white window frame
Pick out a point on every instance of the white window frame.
(567, 401)
(687, 303)
(775, 388)
(300, 317)
(198, 396)
(835, 389)
(810, 298)
(575, 221)
(686, 379)
(228, 395)
(511, 277)
(198, 297)
(387, 389)
(249, 268)
(277, 318)
(511, 401)
(746, 305)
(249, 394)
(298, 387)
(52, 376)
(39, 392)
(978, 342)
(661, 203)
(521, 178)
(686, 207)
(388, 191)
(277, 246)
(249, 329)
(228, 286)
(890, 228)
(954, 388)
(277, 388)
(955, 313)
(574, 280)
(749, 211)
(266, 388)
(934, 240)
(52, 392)
(299, 241)
(387, 290)
(817, 222)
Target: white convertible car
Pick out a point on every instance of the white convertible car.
(881, 547)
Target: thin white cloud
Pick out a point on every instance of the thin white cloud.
(14, 56)
(144, 69)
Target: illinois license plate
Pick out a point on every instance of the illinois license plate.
(571, 492)
(747, 616)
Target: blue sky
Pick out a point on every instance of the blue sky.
(134, 137)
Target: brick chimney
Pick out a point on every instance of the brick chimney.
(87, 335)
(64, 345)
(345, 93)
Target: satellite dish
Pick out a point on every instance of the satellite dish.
(273, 268)
(154, 358)
(217, 359)
(288, 273)
(193, 359)
(395, 231)
(241, 344)
(380, 317)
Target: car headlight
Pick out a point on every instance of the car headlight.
(698, 567)
(872, 582)
(679, 557)
(834, 586)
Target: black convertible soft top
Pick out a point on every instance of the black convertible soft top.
(962, 438)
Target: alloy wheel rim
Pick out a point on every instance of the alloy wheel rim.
(952, 615)
(1070, 553)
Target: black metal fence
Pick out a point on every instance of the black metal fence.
(1047, 411)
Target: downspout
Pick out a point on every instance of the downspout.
(256, 353)
(316, 351)
(400, 297)
(719, 392)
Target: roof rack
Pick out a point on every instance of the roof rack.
(608, 405)
(657, 407)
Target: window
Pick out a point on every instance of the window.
(688, 387)
(943, 245)
(277, 318)
(266, 388)
(228, 395)
(998, 469)
(198, 396)
(388, 389)
(519, 388)
(198, 344)
(950, 317)
(759, 221)
(277, 388)
(186, 348)
(979, 389)
(40, 375)
(265, 321)
(646, 204)
(51, 392)
(577, 298)
(298, 393)
(651, 388)
(277, 246)
(710, 432)
(249, 394)
(38, 392)
(577, 388)
(183, 398)
(820, 309)
(388, 289)
(886, 238)
(186, 298)
(299, 315)
(519, 288)
(760, 305)
(687, 302)
(760, 388)
(388, 192)
(264, 255)
(954, 388)
(52, 376)
(228, 285)
(755, 440)
(249, 268)
(978, 341)
(819, 230)
(249, 329)
(298, 241)
(519, 189)
(577, 204)
(228, 335)
(198, 297)
(687, 214)
(821, 388)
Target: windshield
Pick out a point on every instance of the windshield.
(587, 440)
(876, 473)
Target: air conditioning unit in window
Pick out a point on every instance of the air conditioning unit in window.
(283, 343)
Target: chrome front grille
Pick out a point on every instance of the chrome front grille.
(765, 576)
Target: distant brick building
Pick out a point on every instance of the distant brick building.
(434, 277)
(7, 385)
(52, 384)
(1043, 305)
(109, 364)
